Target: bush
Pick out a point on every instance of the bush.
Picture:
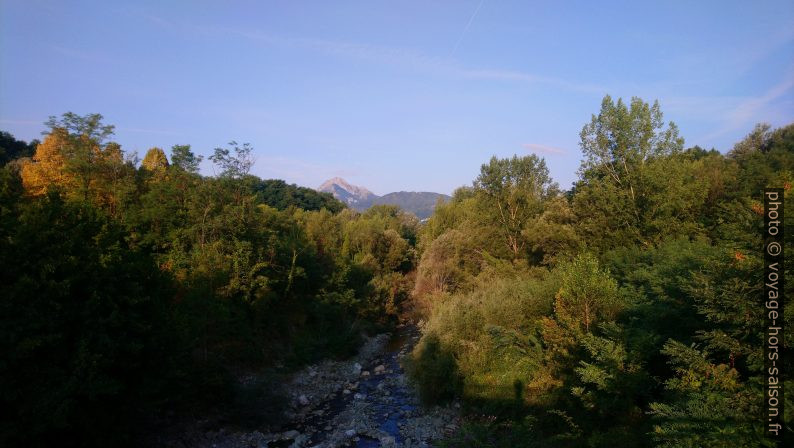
(435, 371)
(491, 335)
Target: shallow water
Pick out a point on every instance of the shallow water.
(387, 397)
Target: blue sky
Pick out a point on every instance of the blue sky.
(392, 95)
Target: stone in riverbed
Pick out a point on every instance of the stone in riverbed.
(303, 400)
(380, 369)
(291, 434)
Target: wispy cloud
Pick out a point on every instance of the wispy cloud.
(511, 75)
(746, 112)
(74, 53)
(543, 149)
(300, 171)
(416, 61)
(383, 55)
(20, 122)
(147, 131)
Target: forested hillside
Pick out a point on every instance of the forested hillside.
(135, 289)
(625, 312)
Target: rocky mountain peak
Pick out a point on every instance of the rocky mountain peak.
(420, 204)
(346, 192)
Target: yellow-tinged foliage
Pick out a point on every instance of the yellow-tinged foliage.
(155, 160)
(48, 167)
(77, 166)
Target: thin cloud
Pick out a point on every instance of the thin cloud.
(511, 75)
(300, 171)
(74, 53)
(383, 55)
(417, 61)
(147, 131)
(543, 149)
(750, 109)
(24, 122)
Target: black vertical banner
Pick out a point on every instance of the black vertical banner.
(773, 307)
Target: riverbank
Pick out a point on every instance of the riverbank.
(365, 401)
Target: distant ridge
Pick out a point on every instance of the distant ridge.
(420, 203)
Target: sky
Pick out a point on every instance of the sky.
(393, 96)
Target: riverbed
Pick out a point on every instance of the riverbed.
(366, 401)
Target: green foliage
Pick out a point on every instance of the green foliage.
(622, 313)
(88, 127)
(184, 159)
(435, 371)
(84, 321)
(492, 333)
(522, 434)
(133, 290)
(234, 162)
(278, 194)
(514, 190)
(588, 294)
(634, 185)
(513, 213)
(710, 407)
(12, 149)
(642, 324)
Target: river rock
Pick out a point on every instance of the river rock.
(292, 434)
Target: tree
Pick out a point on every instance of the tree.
(627, 190)
(551, 235)
(76, 157)
(48, 166)
(183, 158)
(513, 191)
(756, 140)
(709, 405)
(83, 318)
(155, 160)
(11, 148)
(237, 165)
(90, 126)
(620, 140)
(279, 194)
(588, 294)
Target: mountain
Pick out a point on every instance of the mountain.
(351, 195)
(420, 203)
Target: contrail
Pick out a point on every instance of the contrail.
(471, 19)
